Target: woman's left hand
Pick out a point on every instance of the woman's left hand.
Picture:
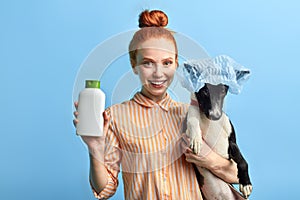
(205, 157)
(223, 168)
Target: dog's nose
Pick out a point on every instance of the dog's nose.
(214, 115)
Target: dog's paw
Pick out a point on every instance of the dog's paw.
(195, 143)
(246, 190)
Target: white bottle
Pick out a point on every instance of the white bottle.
(91, 104)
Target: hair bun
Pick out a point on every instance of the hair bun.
(154, 18)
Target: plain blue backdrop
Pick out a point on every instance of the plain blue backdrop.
(44, 43)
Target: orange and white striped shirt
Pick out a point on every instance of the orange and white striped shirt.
(144, 138)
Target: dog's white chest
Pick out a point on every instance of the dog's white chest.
(216, 133)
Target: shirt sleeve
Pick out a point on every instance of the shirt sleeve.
(112, 160)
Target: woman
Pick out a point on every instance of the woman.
(144, 134)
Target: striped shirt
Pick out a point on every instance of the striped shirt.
(144, 139)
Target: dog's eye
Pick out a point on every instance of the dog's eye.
(225, 89)
(206, 92)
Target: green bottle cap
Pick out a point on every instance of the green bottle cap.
(92, 84)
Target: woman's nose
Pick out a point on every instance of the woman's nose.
(158, 71)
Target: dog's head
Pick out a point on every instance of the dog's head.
(210, 99)
(210, 79)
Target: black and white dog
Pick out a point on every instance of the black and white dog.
(206, 121)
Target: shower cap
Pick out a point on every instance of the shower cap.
(219, 70)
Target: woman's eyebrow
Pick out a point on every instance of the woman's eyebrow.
(148, 59)
(169, 58)
(152, 60)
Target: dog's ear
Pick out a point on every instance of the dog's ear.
(242, 74)
(192, 71)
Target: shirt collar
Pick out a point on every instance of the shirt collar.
(165, 103)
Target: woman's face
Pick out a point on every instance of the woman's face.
(155, 66)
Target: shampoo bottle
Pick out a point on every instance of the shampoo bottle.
(91, 105)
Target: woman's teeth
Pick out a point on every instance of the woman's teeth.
(157, 82)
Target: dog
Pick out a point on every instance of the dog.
(207, 121)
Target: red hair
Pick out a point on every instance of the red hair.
(152, 25)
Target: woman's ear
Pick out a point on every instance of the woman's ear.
(134, 69)
(133, 65)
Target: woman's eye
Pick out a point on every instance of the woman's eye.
(148, 63)
(167, 63)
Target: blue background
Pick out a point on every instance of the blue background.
(44, 43)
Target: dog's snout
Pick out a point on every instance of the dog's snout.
(214, 114)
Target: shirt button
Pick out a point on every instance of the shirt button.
(156, 108)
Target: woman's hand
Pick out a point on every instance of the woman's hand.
(98, 172)
(207, 158)
(204, 159)
(95, 144)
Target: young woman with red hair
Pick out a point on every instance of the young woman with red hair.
(144, 134)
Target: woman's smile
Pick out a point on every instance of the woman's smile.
(158, 84)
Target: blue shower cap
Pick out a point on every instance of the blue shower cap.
(219, 70)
